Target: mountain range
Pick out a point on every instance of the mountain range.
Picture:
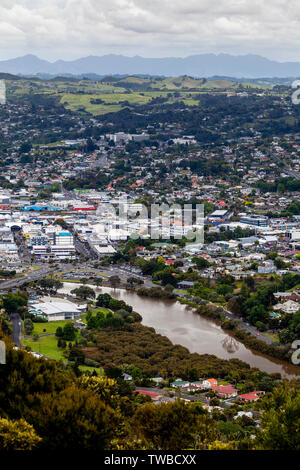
(203, 65)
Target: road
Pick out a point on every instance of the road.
(245, 326)
(39, 273)
(24, 252)
(181, 394)
(122, 272)
(17, 328)
(85, 251)
(125, 273)
(242, 324)
(287, 169)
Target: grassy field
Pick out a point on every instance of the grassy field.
(46, 345)
(191, 102)
(132, 98)
(50, 327)
(77, 102)
(272, 337)
(115, 95)
(99, 370)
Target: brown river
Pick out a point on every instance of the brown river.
(183, 326)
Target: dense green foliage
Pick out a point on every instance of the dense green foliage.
(44, 405)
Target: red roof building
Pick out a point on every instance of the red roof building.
(253, 396)
(169, 262)
(224, 391)
(152, 395)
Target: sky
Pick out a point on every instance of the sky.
(69, 29)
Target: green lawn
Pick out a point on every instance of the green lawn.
(76, 102)
(112, 102)
(182, 291)
(50, 327)
(101, 309)
(116, 98)
(222, 382)
(272, 337)
(191, 102)
(46, 345)
(99, 370)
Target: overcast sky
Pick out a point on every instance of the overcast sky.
(69, 29)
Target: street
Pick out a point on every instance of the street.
(17, 328)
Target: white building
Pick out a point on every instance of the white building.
(288, 307)
(56, 310)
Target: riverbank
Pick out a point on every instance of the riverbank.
(184, 326)
(218, 314)
(155, 355)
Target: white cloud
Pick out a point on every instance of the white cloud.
(72, 28)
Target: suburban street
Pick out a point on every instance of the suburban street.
(17, 328)
(191, 398)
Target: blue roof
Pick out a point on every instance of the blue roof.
(39, 208)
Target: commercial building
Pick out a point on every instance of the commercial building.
(255, 220)
(56, 310)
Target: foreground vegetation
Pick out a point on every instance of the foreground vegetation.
(48, 406)
(82, 401)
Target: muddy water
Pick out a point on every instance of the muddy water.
(183, 326)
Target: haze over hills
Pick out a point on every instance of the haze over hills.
(204, 65)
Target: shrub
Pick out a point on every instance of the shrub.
(91, 363)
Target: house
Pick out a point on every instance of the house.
(152, 395)
(157, 380)
(287, 296)
(288, 307)
(197, 384)
(220, 215)
(266, 268)
(163, 399)
(282, 295)
(180, 383)
(192, 388)
(224, 391)
(126, 377)
(185, 285)
(249, 414)
(207, 383)
(169, 262)
(253, 396)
